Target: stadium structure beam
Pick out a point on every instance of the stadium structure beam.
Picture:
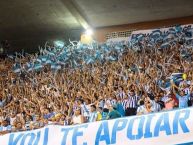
(75, 11)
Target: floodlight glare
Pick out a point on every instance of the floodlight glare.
(89, 32)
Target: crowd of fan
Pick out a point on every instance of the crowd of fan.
(96, 92)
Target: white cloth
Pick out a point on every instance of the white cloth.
(142, 109)
(77, 119)
(93, 116)
(12, 120)
(85, 110)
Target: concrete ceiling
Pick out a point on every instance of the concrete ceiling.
(23, 20)
(100, 13)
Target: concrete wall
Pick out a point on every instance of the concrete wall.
(100, 33)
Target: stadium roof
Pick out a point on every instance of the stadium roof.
(29, 19)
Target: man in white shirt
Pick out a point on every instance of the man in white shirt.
(93, 114)
(86, 109)
(155, 105)
(146, 108)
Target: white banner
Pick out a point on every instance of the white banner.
(164, 128)
(119, 39)
(146, 31)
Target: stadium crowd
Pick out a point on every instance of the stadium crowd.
(140, 82)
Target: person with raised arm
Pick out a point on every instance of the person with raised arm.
(182, 97)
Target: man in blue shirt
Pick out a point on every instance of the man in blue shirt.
(113, 113)
(48, 114)
(182, 97)
(120, 108)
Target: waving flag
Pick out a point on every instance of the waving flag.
(156, 34)
(75, 54)
(16, 68)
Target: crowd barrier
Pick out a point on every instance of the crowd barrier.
(164, 128)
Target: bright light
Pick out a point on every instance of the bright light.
(89, 32)
(1, 50)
